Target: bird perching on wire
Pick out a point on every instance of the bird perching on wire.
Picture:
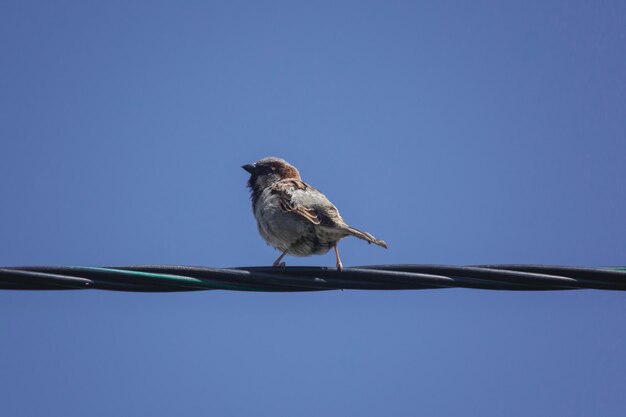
(294, 217)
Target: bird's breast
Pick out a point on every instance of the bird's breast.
(288, 231)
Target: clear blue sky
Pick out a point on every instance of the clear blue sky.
(459, 132)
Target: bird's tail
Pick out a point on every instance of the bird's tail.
(366, 236)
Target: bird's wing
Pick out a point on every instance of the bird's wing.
(298, 197)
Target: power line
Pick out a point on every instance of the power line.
(160, 278)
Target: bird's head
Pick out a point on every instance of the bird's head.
(267, 171)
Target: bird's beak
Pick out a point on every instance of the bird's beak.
(249, 168)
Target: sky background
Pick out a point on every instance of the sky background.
(459, 132)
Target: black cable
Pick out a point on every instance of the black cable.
(160, 278)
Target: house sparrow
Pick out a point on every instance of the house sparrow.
(294, 217)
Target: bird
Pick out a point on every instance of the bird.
(293, 216)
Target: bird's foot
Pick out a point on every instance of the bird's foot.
(339, 266)
(279, 265)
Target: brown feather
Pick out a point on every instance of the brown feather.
(366, 236)
(282, 190)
